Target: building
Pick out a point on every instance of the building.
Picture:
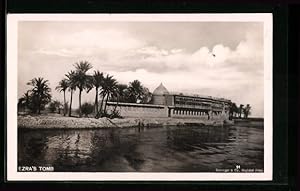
(177, 105)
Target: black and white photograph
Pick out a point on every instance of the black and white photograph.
(139, 97)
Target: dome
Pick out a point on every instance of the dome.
(160, 90)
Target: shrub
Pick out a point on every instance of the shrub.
(112, 114)
(115, 114)
(87, 108)
(54, 106)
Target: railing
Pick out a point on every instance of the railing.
(199, 96)
(192, 106)
(135, 105)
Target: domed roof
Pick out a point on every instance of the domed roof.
(160, 90)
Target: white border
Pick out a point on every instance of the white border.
(12, 32)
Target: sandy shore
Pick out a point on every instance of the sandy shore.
(60, 122)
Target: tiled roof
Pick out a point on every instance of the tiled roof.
(160, 90)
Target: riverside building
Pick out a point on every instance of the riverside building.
(176, 105)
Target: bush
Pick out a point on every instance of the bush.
(54, 106)
(87, 108)
(113, 114)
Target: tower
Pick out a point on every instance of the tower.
(159, 95)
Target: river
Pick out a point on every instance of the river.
(161, 149)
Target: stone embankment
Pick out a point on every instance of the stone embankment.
(60, 122)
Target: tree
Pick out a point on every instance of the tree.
(82, 80)
(24, 102)
(119, 95)
(97, 81)
(146, 96)
(137, 93)
(39, 94)
(62, 87)
(55, 106)
(233, 109)
(87, 108)
(66, 107)
(241, 109)
(247, 111)
(108, 88)
(27, 100)
(135, 90)
(71, 87)
(21, 104)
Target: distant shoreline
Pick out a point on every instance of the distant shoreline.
(61, 122)
(250, 119)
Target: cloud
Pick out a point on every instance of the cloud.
(246, 57)
(231, 71)
(120, 50)
(104, 39)
(61, 52)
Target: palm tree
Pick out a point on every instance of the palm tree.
(119, 95)
(233, 110)
(21, 104)
(241, 109)
(72, 87)
(24, 101)
(82, 80)
(135, 91)
(97, 81)
(247, 111)
(108, 87)
(40, 93)
(62, 87)
(146, 95)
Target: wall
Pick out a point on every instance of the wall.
(197, 114)
(158, 100)
(152, 111)
(139, 110)
(169, 100)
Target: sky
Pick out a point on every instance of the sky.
(221, 59)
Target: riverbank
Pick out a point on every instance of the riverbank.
(60, 122)
(250, 122)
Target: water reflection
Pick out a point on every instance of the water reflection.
(161, 149)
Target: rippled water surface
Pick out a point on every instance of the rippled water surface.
(161, 149)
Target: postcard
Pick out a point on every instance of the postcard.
(132, 97)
